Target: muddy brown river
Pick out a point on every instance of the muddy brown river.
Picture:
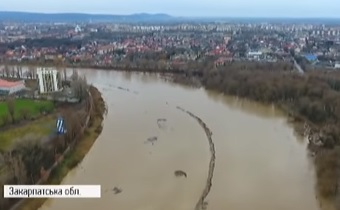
(260, 163)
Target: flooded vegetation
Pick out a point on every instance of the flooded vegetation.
(201, 203)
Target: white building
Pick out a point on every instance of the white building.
(254, 54)
(49, 80)
(337, 66)
(7, 87)
(77, 29)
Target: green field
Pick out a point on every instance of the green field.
(38, 128)
(34, 107)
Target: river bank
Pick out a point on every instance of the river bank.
(75, 156)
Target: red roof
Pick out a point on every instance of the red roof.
(8, 84)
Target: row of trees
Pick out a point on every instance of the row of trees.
(43, 42)
(12, 72)
(17, 72)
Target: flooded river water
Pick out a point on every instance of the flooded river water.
(260, 164)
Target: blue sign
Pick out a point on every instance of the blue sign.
(60, 126)
(311, 57)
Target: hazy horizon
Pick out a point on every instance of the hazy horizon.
(189, 8)
(160, 13)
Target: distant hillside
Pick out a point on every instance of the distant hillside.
(78, 17)
(146, 18)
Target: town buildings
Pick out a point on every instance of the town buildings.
(115, 45)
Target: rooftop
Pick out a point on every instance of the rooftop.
(8, 84)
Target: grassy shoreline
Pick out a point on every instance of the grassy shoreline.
(76, 155)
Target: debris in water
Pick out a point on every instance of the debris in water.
(117, 190)
(152, 140)
(180, 173)
(128, 90)
(160, 122)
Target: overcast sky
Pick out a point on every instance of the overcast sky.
(197, 8)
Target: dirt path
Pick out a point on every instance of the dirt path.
(201, 203)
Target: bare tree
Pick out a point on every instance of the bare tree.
(24, 113)
(28, 74)
(80, 88)
(65, 75)
(34, 155)
(31, 73)
(4, 202)
(54, 98)
(6, 119)
(10, 102)
(13, 72)
(16, 167)
(7, 71)
(34, 72)
(59, 145)
(73, 125)
(21, 72)
(75, 75)
(18, 72)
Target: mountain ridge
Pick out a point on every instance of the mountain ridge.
(74, 17)
(81, 17)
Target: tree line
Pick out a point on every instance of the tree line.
(42, 42)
